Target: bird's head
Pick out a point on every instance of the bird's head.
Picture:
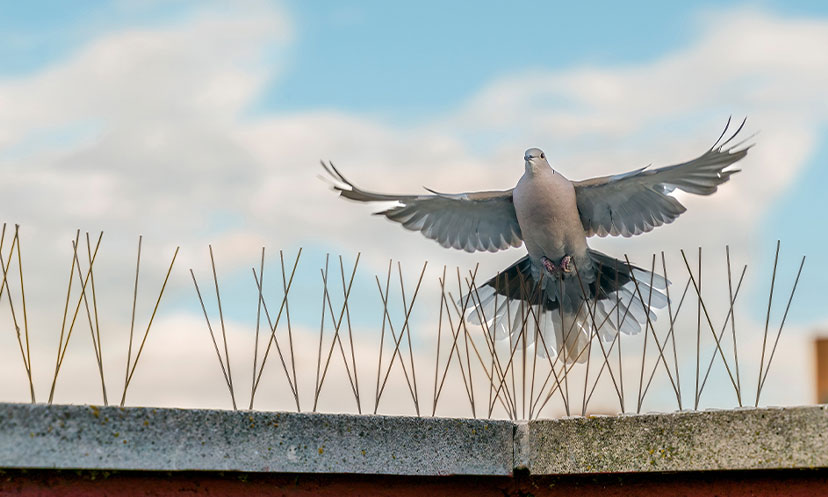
(535, 159)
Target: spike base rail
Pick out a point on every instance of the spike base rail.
(108, 438)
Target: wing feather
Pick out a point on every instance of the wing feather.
(473, 221)
(635, 202)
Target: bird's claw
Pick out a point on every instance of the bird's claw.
(549, 265)
(565, 266)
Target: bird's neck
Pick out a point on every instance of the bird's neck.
(535, 168)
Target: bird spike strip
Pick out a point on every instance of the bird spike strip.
(496, 377)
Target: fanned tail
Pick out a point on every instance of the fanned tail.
(617, 297)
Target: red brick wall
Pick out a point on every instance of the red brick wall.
(792, 483)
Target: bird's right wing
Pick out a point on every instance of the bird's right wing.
(474, 221)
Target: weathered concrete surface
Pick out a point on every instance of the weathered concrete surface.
(97, 438)
(89, 437)
(795, 437)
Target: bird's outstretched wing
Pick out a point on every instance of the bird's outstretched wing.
(635, 202)
(475, 221)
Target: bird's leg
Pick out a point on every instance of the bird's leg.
(557, 270)
(565, 264)
(550, 266)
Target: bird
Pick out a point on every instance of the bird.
(567, 292)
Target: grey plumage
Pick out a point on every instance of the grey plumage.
(553, 217)
(632, 203)
(478, 221)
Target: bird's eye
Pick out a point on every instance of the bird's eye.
(543, 156)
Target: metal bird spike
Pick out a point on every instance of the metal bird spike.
(494, 351)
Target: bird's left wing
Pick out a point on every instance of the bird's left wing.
(635, 202)
(474, 221)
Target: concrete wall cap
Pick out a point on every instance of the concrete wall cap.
(92, 437)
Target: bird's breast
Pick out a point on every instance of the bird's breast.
(548, 215)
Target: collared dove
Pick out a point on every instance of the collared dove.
(571, 287)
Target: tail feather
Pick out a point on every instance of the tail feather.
(572, 337)
(626, 298)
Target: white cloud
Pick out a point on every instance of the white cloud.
(174, 155)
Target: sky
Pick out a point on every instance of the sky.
(196, 123)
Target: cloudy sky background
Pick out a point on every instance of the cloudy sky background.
(197, 123)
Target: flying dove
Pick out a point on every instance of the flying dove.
(573, 288)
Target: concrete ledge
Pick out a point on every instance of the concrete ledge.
(776, 438)
(98, 438)
(89, 437)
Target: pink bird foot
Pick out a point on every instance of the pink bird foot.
(550, 266)
(565, 266)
